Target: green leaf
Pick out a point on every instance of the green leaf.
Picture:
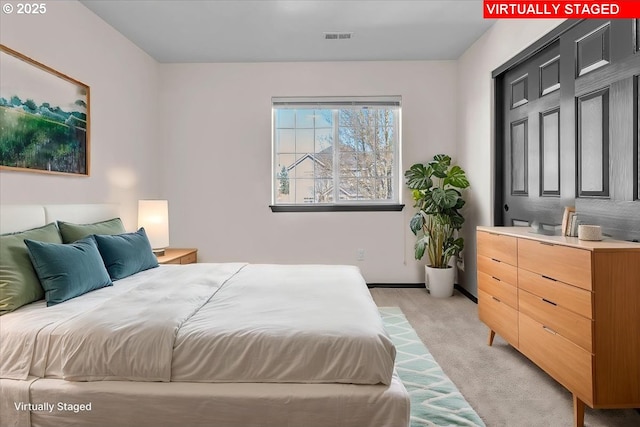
(443, 159)
(416, 223)
(456, 177)
(421, 245)
(445, 199)
(418, 177)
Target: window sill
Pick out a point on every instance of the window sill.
(338, 208)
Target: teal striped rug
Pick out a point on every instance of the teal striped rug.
(435, 400)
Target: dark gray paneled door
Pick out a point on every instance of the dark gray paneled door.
(568, 130)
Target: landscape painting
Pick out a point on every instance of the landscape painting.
(44, 118)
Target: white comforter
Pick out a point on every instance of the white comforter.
(207, 323)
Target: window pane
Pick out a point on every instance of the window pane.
(304, 119)
(324, 191)
(304, 191)
(384, 189)
(367, 189)
(285, 118)
(285, 195)
(304, 166)
(285, 141)
(324, 165)
(324, 139)
(324, 119)
(284, 160)
(305, 142)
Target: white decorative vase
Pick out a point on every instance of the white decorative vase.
(439, 281)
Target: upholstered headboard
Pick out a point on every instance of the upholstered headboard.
(23, 217)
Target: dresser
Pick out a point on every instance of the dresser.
(571, 306)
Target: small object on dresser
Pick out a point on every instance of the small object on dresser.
(589, 232)
(568, 210)
(572, 227)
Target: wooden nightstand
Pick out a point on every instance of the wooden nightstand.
(179, 256)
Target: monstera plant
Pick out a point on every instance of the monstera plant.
(437, 192)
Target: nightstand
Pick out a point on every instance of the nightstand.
(179, 256)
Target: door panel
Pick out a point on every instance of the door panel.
(593, 144)
(550, 152)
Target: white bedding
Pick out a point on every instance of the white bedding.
(207, 323)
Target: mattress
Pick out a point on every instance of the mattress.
(207, 323)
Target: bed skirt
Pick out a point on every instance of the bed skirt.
(122, 403)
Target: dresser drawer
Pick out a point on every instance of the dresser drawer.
(569, 265)
(499, 317)
(498, 269)
(570, 325)
(504, 291)
(497, 246)
(569, 364)
(570, 297)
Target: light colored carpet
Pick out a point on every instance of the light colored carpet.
(503, 386)
(435, 400)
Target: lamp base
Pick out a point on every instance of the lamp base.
(158, 252)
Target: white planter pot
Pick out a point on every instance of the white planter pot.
(439, 281)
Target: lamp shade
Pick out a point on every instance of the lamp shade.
(153, 215)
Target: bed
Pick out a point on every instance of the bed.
(231, 344)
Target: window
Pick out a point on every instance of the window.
(338, 153)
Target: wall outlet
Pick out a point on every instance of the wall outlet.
(360, 254)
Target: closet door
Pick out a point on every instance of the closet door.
(568, 118)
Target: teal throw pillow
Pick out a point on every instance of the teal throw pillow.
(68, 271)
(71, 232)
(19, 284)
(126, 254)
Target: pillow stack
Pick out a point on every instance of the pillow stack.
(60, 263)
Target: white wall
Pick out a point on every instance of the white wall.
(124, 133)
(500, 43)
(217, 128)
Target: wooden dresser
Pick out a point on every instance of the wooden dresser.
(571, 306)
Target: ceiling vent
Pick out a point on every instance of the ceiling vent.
(337, 36)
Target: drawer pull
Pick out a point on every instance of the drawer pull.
(549, 302)
(551, 331)
(546, 244)
(496, 279)
(495, 299)
(549, 278)
(496, 260)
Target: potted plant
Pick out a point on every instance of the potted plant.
(436, 188)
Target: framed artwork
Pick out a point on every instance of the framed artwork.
(44, 117)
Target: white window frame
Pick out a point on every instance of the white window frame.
(336, 103)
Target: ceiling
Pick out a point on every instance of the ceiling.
(271, 31)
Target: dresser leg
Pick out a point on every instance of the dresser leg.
(578, 412)
(492, 335)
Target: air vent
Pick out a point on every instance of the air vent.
(338, 36)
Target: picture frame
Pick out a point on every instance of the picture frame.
(44, 116)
